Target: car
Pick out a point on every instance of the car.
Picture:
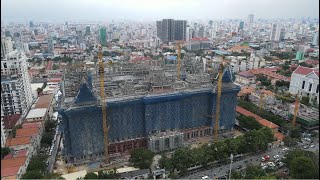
(227, 171)
(205, 177)
(312, 145)
(264, 167)
(285, 149)
(277, 160)
(222, 177)
(276, 157)
(239, 167)
(305, 147)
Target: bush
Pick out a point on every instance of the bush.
(249, 122)
(141, 158)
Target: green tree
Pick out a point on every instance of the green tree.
(91, 175)
(55, 67)
(141, 158)
(37, 163)
(165, 163)
(49, 125)
(46, 139)
(303, 168)
(35, 174)
(237, 175)
(253, 172)
(249, 122)
(295, 133)
(5, 151)
(182, 159)
(289, 141)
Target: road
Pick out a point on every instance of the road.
(253, 159)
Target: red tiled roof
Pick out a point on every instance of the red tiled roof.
(18, 141)
(54, 80)
(44, 101)
(10, 171)
(305, 70)
(8, 156)
(262, 121)
(31, 125)
(26, 132)
(21, 153)
(279, 136)
(13, 162)
(246, 74)
(11, 120)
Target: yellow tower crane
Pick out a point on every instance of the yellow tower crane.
(103, 107)
(296, 109)
(219, 87)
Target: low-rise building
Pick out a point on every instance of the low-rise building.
(305, 81)
(38, 114)
(14, 168)
(245, 78)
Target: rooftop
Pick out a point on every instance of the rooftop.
(26, 132)
(13, 162)
(31, 125)
(18, 141)
(246, 74)
(10, 171)
(305, 71)
(36, 113)
(44, 101)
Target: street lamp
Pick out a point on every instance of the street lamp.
(231, 158)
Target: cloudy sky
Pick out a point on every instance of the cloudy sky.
(106, 10)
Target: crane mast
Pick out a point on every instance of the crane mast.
(219, 87)
(295, 113)
(103, 107)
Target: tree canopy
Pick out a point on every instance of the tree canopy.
(249, 122)
(141, 158)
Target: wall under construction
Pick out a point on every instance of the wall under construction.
(138, 117)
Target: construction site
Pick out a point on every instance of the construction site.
(115, 107)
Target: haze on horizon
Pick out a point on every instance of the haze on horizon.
(150, 10)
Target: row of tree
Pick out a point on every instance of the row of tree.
(262, 113)
(182, 159)
(249, 122)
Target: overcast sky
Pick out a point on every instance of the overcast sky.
(107, 10)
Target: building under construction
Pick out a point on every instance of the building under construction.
(147, 106)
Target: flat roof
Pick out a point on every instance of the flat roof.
(75, 175)
(38, 112)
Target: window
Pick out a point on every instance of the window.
(303, 83)
(317, 89)
(310, 87)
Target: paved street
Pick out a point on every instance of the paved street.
(253, 159)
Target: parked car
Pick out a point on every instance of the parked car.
(312, 145)
(276, 156)
(239, 167)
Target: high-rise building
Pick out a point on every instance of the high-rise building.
(241, 25)
(50, 46)
(88, 30)
(103, 36)
(16, 94)
(31, 24)
(171, 30)
(180, 30)
(79, 37)
(18, 41)
(6, 46)
(251, 18)
(201, 32)
(275, 32)
(315, 39)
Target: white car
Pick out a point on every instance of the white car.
(205, 177)
(312, 145)
(285, 149)
(276, 156)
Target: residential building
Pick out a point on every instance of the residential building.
(103, 36)
(6, 46)
(16, 94)
(37, 115)
(305, 81)
(275, 32)
(169, 30)
(199, 43)
(241, 25)
(50, 46)
(251, 18)
(315, 39)
(14, 168)
(245, 78)
(3, 134)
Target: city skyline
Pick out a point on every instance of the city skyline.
(142, 10)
